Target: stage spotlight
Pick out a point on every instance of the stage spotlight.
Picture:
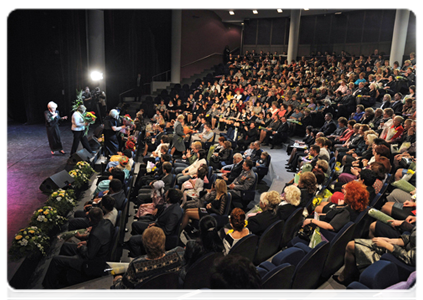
(280, 10)
(96, 76)
(255, 12)
(231, 12)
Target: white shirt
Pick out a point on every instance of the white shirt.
(78, 123)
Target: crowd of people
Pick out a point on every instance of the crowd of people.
(356, 122)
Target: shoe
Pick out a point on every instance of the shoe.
(63, 152)
(272, 146)
(344, 283)
(52, 152)
(288, 167)
(292, 170)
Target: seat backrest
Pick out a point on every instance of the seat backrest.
(292, 225)
(113, 250)
(336, 254)
(228, 204)
(172, 184)
(198, 275)
(246, 247)
(268, 243)
(229, 160)
(168, 280)
(380, 275)
(361, 223)
(278, 278)
(309, 269)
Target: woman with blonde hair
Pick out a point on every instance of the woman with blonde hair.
(291, 199)
(269, 204)
(217, 205)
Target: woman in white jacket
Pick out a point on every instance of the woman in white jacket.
(78, 127)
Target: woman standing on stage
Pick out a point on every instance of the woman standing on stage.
(52, 125)
(78, 130)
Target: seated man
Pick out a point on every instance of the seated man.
(156, 261)
(167, 219)
(232, 171)
(73, 256)
(242, 183)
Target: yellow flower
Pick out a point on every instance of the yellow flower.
(18, 237)
(40, 210)
(31, 231)
(46, 213)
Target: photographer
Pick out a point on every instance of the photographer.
(99, 98)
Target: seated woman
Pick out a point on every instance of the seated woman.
(361, 253)
(216, 206)
(221, 155)
(269, 202)
(262, 162)
(189, 171)
(291, 199)
(308, 186)
(209, 241)
(333, 217)
(237, 222)
(192, 188)
(157, 261)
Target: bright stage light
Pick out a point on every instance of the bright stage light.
(96, 76)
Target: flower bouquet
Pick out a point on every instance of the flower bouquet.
(79, 100)
(101, 140)
(89, 117)
(79, 177)
(28, 242)
(85, 168)
(63, 201)
(46, 218)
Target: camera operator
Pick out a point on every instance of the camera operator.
(86, 96)
(99, 97)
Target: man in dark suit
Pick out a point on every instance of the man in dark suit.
(251, 134)
(346, 105)
(329, 126)
(242, 183)
(281, 134)
(73, 256)
(169, 218)
(235, 169)
(397, 104)
(255, 156)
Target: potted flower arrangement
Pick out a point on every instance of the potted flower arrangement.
(29, 242)
(85, 168)
(46, 218)
(80, 178)
(62, 200)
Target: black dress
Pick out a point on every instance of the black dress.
(53, 132)
(111, 142)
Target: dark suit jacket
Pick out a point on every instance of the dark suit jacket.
(255, 156)
(169, 218)
(119, 199)
(260, 222)
(98, 243)
(328, 128)
(251, 135)
(236, 170)
(167, 181)
(397, 107)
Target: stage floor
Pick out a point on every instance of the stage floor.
(29, 163)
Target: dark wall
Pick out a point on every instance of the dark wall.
(46, 61)
(202, 34)
(356, 32)
(137, 41)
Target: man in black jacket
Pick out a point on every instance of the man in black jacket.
(235, 170)
(74, 257)
(330, 126)
(281, 134)
(251, 134)
(346, 105)
(169, 218)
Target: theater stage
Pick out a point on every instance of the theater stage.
(28, 162)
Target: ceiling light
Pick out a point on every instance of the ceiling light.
(338, 13)
(306, 8)
(231, 12)
(280, 10)
(255, 12)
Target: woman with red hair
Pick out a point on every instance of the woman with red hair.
(334, 217)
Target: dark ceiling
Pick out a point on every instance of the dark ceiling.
(243, 14)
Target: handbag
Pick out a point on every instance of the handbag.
(306, 232)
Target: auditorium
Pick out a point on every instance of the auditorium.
(212, 149)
